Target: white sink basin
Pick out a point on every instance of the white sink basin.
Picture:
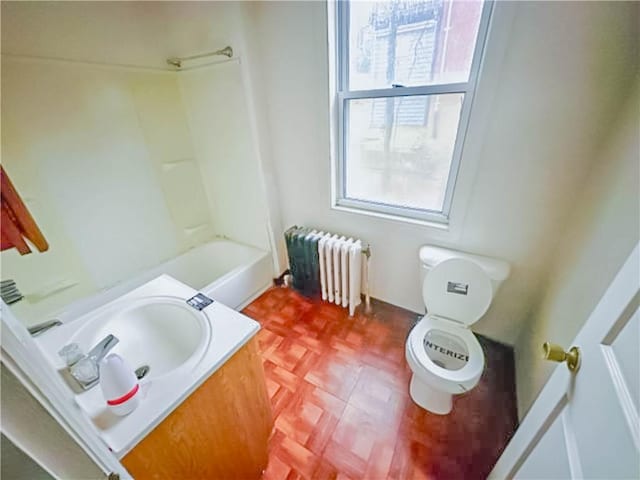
(157, 328)
(161, 332)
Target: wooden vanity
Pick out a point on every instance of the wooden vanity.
(219, 432)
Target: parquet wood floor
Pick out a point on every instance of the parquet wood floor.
(339, 392)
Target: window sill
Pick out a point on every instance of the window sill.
(440, 226)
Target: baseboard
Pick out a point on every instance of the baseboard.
(255, 295)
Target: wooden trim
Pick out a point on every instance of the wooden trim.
(219, 431)
(20, 215)
(11, 234)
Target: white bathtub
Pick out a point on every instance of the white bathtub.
(231, 273)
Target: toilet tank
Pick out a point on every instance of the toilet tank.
(497, 270)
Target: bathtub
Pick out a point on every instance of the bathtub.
(231, 273)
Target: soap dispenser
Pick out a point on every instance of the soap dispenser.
(119, 385)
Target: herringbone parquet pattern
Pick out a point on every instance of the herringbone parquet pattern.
(339, 392)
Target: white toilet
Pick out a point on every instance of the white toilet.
(444, 355)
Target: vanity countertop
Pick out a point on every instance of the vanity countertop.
(228, 331)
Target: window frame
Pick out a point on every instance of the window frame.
(343, 95)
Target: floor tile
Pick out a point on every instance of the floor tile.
(339, 393)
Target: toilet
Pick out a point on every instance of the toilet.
(444, 355)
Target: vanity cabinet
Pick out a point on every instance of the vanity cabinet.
(220, 431)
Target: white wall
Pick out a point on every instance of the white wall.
(214, 100)
(142, 34)
(78, 146)
(596, 242)
(124, 167)
(164, 123)
(553, 78)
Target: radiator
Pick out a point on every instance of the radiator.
(329, 265)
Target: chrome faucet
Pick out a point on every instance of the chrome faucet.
(84, 368)
(98, 352)
(36, 330)
(9, 292)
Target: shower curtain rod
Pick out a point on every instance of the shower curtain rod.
(177, 61)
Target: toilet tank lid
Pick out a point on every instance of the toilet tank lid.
(497, 270)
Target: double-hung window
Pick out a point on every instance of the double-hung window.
(406, 72)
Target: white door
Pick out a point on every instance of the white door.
(585, 425)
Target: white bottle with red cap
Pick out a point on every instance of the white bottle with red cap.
(119, 385)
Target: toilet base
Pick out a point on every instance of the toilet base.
(435, 401)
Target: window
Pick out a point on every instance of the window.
(406, 72)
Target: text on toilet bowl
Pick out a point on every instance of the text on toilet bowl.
(446, 351)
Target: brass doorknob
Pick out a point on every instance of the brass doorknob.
(556, 353)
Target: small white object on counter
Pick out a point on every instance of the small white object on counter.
(119, 385)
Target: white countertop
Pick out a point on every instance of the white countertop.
(229, 331)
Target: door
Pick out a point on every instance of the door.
(585, 424)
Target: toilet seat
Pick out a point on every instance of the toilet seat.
(443, 353)
(452, 381)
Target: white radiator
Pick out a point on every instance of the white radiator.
(341, 270)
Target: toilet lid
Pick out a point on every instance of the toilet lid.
(457, 289)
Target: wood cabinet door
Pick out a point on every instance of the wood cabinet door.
(220, 431)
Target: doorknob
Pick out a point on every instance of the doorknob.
(556, 353)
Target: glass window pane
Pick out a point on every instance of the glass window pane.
(399, 149)
(421, 42)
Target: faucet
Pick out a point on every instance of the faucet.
(36, 330)
(103, 347)
(84, 368)
(9, 292)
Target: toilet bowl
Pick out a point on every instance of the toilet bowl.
(444, 355)
(445, 359)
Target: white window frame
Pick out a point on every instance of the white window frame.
(343, 95)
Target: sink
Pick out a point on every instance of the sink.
(161, 332)
(157, 328)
